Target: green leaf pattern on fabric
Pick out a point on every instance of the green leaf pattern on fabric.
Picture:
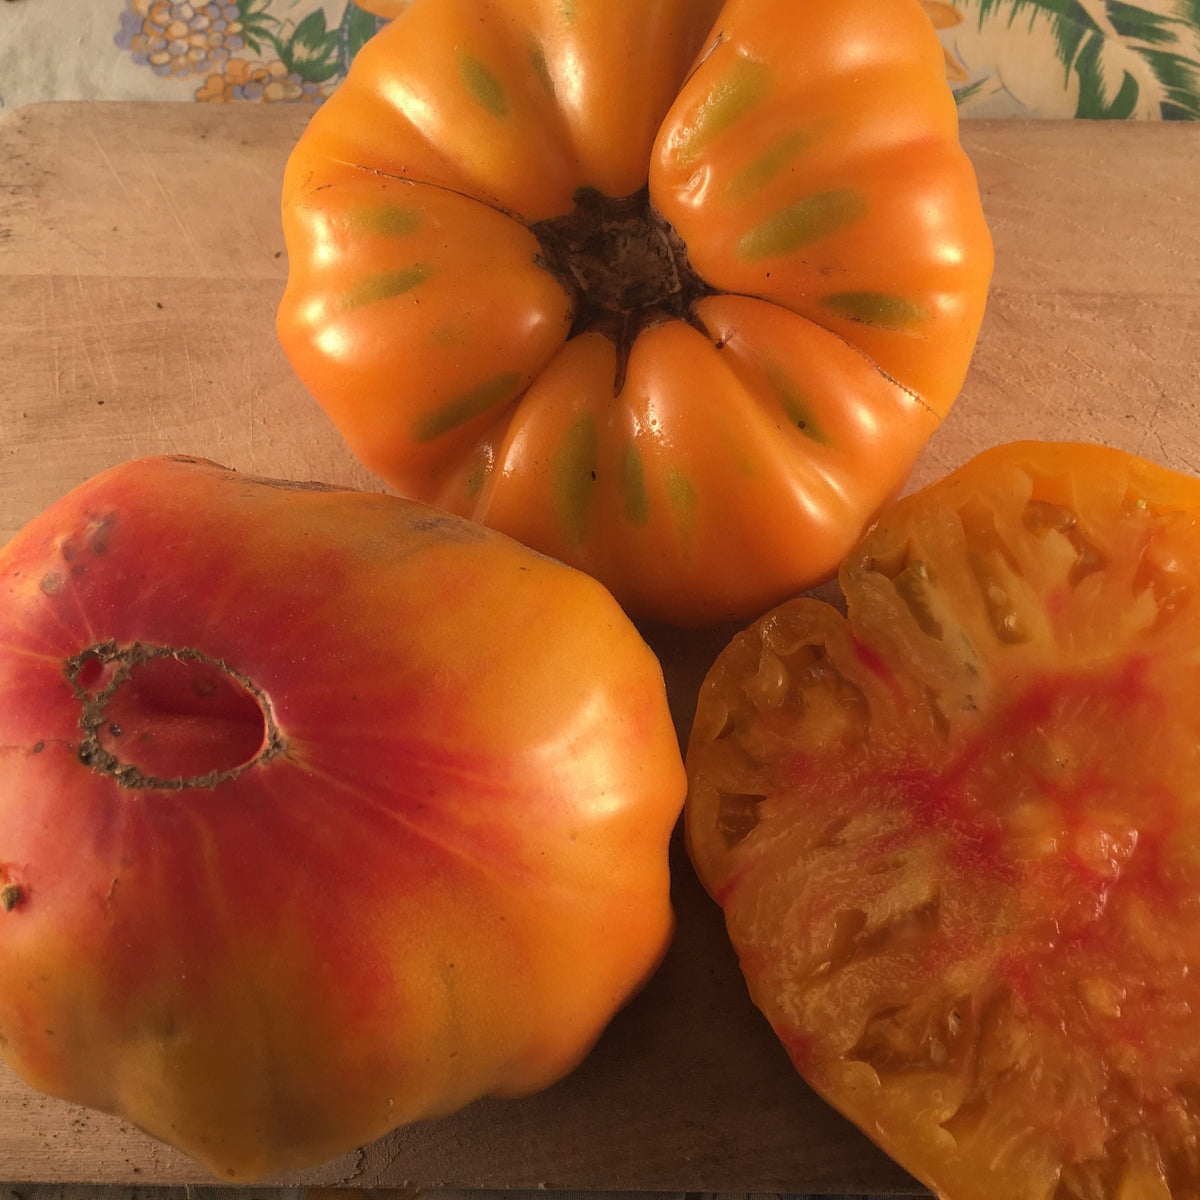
(1093, 59)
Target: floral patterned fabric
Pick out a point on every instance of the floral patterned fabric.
(247, 49)
(1020, 58)
(1113, 59)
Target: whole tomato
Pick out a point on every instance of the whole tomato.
(956, 831)
(383, 8)
(320, 811)
(675, 292)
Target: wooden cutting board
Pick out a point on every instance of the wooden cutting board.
(140, 264)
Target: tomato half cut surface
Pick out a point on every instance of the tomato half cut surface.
(673, 292)
(955, 831)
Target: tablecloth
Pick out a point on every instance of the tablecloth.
(1004, 58)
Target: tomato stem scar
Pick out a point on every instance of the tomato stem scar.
(10, 896)
(623, 265)
(98, 674)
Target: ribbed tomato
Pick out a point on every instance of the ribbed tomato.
(956, 832)
(675, 292)
(319, 811)
(383, 8)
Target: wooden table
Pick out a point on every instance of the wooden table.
(140, 264)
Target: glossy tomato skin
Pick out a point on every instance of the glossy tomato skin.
(376, 823)
(788, 177)
(954, 830)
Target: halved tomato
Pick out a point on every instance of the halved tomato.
(956, 830)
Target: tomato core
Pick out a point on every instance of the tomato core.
(155, 716)
(622, 263)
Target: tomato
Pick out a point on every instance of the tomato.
(320, 811)
(956, 831)
(383, 8)
(674, 292)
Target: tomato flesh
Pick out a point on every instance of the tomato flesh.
(956, 834)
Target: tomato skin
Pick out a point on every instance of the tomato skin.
(802, 164)
(383, 8)
(441, 872)
(953, 831)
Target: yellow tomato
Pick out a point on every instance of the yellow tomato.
(956, 830)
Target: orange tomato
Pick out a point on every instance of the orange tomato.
(675, 293)
(320, 812)
(956, 832)
(383, 8)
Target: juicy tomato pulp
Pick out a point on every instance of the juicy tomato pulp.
(955, 832)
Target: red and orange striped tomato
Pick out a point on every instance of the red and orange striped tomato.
(321, 811)
(673, 292)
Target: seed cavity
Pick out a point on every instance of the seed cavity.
(770, 685)
(1002, 614)
(997, 574)
(915, 588)
(738, 815)
(1042, 518)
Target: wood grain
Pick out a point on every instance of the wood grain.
(141, 261)
(140, 265)
(1093, 320)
